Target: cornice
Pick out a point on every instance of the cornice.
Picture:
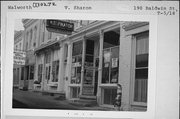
(132, 25)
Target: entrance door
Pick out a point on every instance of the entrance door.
(89, 72)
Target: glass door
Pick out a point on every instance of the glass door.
(88, 82)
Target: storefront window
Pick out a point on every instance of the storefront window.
(141, 68)
(55, 70)
(76, 63)
(110, 69)
(110, 65)
(22, 73)
(31, 72)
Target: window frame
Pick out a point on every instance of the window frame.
(110, 63)
(76, 56)
(133, 69)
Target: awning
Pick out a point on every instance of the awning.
(49, 45)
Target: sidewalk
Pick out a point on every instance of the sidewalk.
(35, 100)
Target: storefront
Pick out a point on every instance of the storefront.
(27, 72)
(104, 57)
(89, 64)
(48, 62)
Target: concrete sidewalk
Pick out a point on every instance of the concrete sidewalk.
(35, 100)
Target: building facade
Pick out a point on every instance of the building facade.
(18, 46)
(89, 63)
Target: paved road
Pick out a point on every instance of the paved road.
(34, 100)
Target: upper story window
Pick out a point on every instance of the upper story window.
(30, 41)
(27, 38)
(35, 35)
(43, 30)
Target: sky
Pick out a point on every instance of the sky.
(18, 25)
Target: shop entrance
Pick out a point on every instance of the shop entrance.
(90, 80)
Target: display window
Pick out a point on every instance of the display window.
(110, 66)
(40, 67)
(76, 63)
(55, 71)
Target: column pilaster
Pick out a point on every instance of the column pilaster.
(101, 34)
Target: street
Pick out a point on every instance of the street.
(36, 100)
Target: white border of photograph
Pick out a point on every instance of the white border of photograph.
(8, 82)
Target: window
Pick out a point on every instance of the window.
(110, 69)
(27, 36)
(35, 35)
(48, 69)
(109, 95)
(30, 41)
(47, 57)
(110, 65)
(22, 73)
(47, 63)
(55, 70)
(31, 72)
(76, 62)
(17, 75)
(43, 30)
(141, 68)
(40, 68)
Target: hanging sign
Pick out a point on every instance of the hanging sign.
(58, 26)
(19, 57)
(114, 62)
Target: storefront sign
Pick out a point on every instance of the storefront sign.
(19, 57)
(77, 64)
(59, 26)
(114, 62)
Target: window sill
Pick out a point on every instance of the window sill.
(74, 85)
(53, 84)
(108, 85)
(139, 104)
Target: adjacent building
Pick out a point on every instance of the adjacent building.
(18, 47)
(89, 63)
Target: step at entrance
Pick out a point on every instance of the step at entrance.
(87, 101)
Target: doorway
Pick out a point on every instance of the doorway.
(90, 80)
